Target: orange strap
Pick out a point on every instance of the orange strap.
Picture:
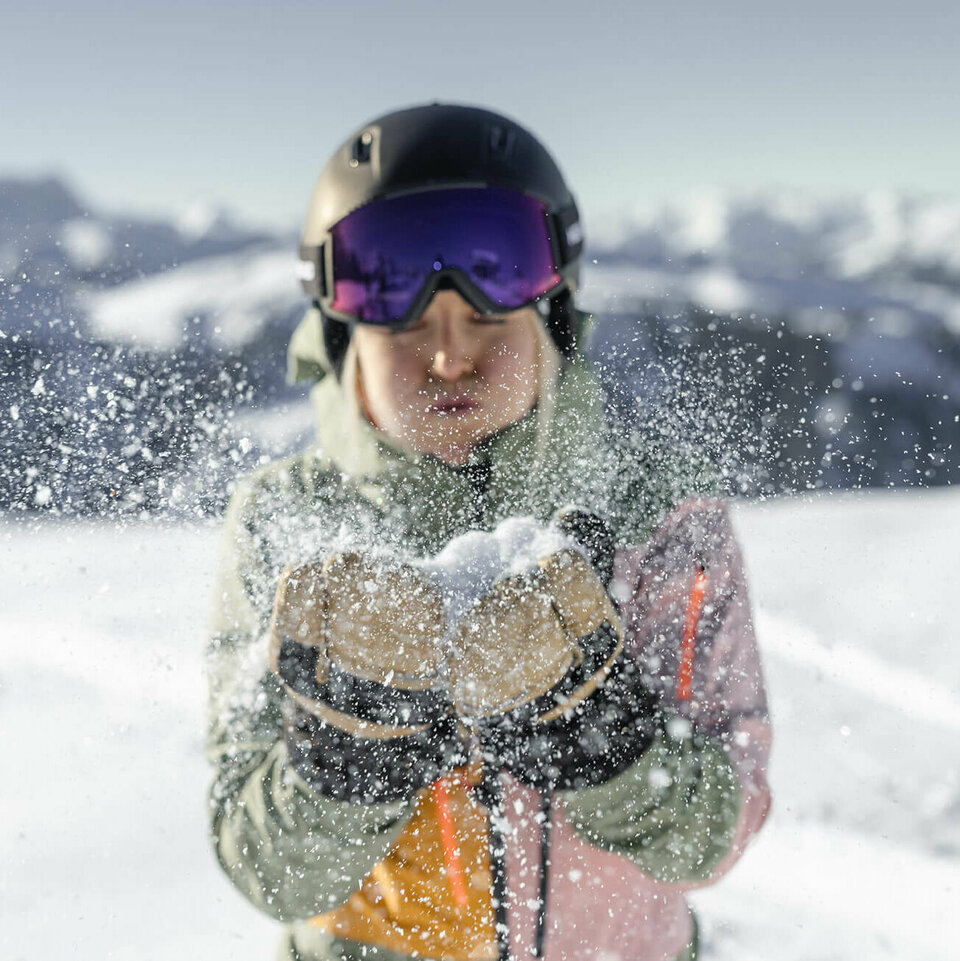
(690, 621)
(451, 851)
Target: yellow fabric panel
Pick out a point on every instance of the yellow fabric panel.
(406, 905)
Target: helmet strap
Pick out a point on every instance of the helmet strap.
(336, 339)
(564, 323)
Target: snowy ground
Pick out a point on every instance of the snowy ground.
(103, 845)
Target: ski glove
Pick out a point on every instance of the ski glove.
(529, 667)
(356, 643)
(594, 536)
(599, 738)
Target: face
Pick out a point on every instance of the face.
(452, 379)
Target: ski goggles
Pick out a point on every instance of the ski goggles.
(381, 264)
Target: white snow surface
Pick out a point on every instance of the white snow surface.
(104, 846)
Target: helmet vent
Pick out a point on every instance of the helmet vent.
(361, 150)
(501, 141)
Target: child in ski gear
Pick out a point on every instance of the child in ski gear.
(548, 768)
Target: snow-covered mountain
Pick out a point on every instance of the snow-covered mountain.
(823, 260)
(835, 321)
(790, 233)
(111, 407)
(55, 248)
(807, 341)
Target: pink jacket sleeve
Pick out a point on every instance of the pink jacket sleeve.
(715, 679)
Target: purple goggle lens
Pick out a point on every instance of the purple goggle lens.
(388, 252)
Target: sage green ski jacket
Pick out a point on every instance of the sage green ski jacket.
(624, 851)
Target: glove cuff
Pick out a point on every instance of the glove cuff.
(588, 745)
(354, 702)
(361, 770)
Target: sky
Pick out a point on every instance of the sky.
(147, 106)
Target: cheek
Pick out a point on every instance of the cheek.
(512, 363)
(406, 374)
(390, 382)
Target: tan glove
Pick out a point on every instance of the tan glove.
(357, 643)
(538, 643)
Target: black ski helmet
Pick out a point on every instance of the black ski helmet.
(437, 145)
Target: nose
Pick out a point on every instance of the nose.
(454, 344)
(452, 358)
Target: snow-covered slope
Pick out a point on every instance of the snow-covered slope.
(101, 726)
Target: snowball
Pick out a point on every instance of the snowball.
(469, 566)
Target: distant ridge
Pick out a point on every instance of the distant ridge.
(36, 201)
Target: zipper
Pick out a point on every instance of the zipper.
(451, 850)
(478, 474)
(688, 638)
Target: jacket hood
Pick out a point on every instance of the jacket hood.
(306, 356)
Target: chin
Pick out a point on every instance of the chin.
(455, 457)
(456, 450)
(452, 440)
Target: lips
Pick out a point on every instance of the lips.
(454, 405)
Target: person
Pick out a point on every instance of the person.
(550, 771)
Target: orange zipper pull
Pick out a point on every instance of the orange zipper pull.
(451, 850)
(688, 639)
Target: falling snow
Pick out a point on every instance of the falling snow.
(801, 346)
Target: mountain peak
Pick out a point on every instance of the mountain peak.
(36, 200)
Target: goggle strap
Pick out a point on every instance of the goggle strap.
(569, 233)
